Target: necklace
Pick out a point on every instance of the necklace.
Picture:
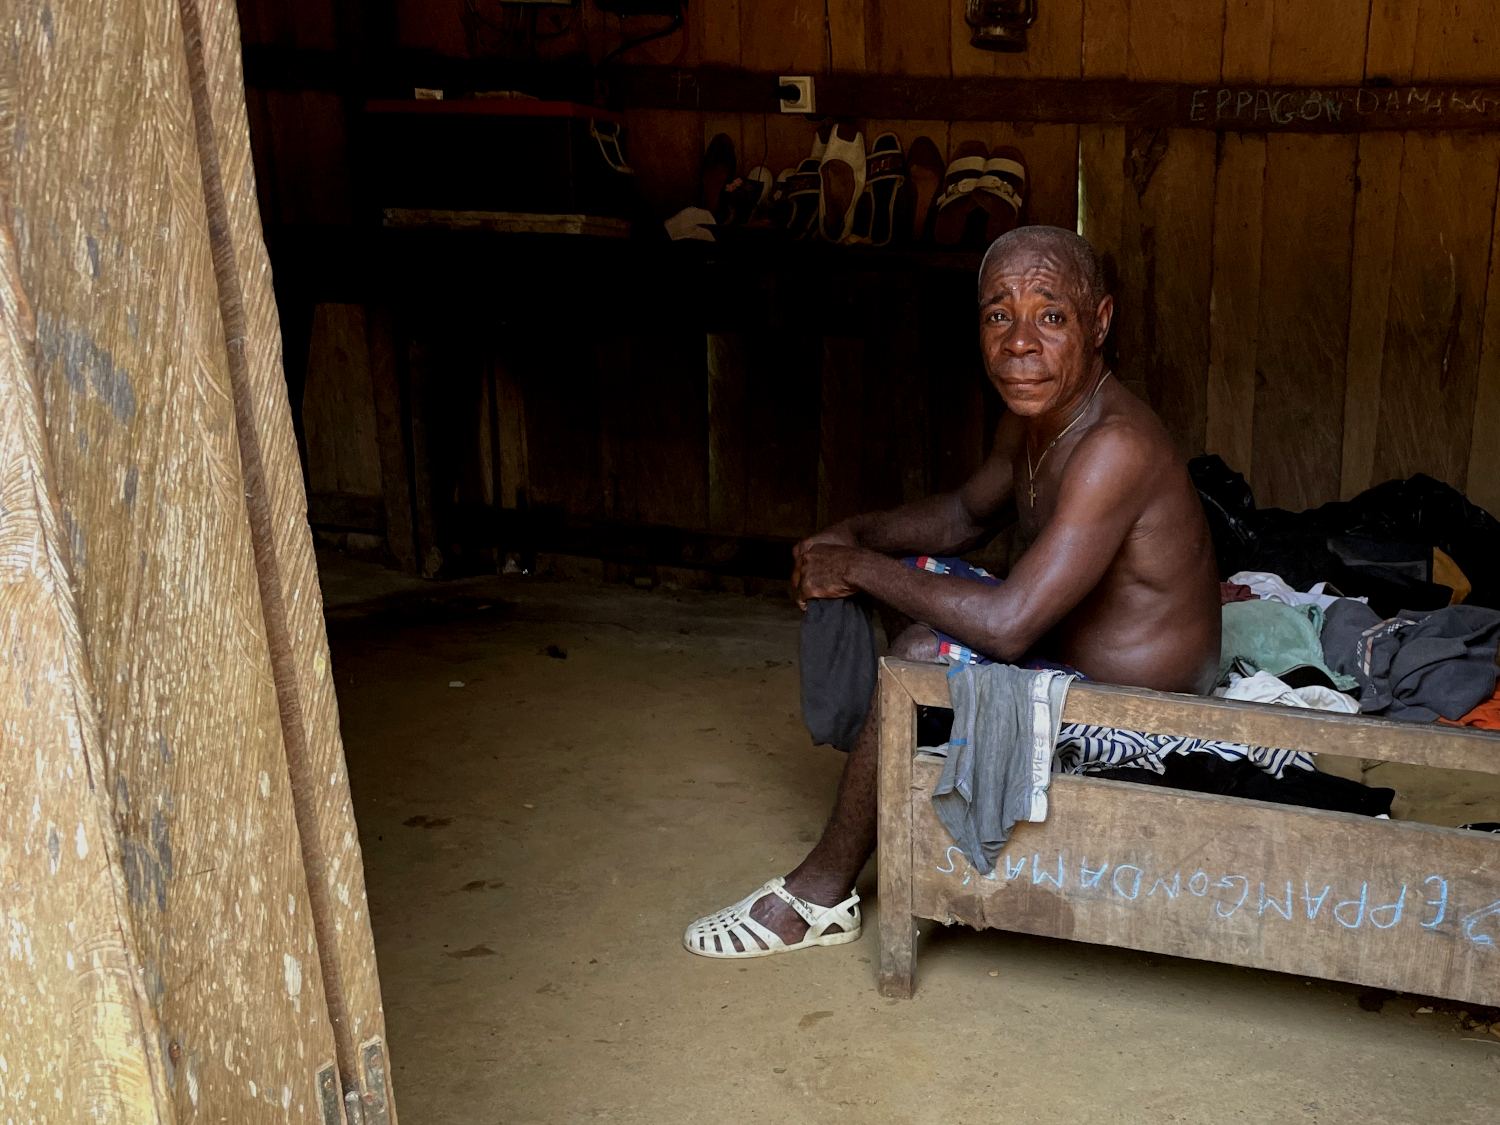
(1031, 470)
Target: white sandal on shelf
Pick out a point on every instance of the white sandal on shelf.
(710, 936)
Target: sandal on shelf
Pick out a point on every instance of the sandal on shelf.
(957, 203)
(842, 173)
(710, 936)
(778, 211)
(715, 173)
(747, 194)
(885, 172)
(804, 188)
(924, 172)
(1003, 187)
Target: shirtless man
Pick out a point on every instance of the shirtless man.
(1118, 579)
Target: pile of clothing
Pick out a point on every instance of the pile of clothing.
(1402, 595)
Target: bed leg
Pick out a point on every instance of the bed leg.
(898, 743)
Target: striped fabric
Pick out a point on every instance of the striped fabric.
(1083, 749)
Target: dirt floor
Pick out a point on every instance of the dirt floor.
(552, 779)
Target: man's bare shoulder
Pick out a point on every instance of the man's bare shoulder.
(1128, 442)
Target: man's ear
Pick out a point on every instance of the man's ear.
(1102, 318)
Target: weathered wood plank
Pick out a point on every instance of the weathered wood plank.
(726, 433)
(313, 748)
(1439, 265)
(77, 1026)
(395, 466)
(1377, 191)
(902, 37)
(1256, 724)
(1165, 283)
(132, 357)
(1483, 481)
(1304, 315)
(842, 427)
(338, 404)
(1234, 307)
(898, 742)
(1401, 906)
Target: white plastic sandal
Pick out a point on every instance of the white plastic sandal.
(710, 936)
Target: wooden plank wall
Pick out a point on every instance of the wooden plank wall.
(1317, 309)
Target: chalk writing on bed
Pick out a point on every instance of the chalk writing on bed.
(1423, 903)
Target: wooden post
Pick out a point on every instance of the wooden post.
(429, 554)
(898, 743)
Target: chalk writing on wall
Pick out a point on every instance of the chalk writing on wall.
(1425, 901)
(1261, 107)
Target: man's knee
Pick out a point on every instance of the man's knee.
(917, 642)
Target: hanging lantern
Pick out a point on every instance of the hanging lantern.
(999, 25)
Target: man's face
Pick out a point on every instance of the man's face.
(1038, 344)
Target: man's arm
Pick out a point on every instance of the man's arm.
(1103, 491)
(943, 524)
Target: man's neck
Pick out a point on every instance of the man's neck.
(1046, 426)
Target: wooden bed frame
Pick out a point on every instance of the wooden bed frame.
(1391, 904)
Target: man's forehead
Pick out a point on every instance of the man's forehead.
(1028, 269)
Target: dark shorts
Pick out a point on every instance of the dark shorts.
(960, 652)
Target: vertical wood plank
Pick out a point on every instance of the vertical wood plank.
(1106, 38)
(716, 26)
(395, 467)
(897, 716)
(846, 21)
(1318, 40)
(1166, 275)
(1431, 369)
(1176, 40)
(1456, 41)
(783, 36)
(669, 386)
(841, 427)
(1377, 190)
(338, 404)
(510, 410)
(1391, 47)
(1304, 310)
(726, 433)
(618, 423)
(1234, 308)
(783, 395)
(424, 416)
(1483, 481)
(665, 147)
(909, 37)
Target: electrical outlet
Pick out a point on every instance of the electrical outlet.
(803, 103)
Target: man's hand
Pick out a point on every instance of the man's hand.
(823, 570)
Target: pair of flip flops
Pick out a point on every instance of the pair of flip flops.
(875, 214)
(984, 195)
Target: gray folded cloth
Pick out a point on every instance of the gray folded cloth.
(1417, 667)
(999, 763)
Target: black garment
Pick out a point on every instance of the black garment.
(1417, 667)
(837, 653)
(1372, 538)
(1208, 773)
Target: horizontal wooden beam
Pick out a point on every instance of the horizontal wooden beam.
(1255, 724)
(1224, 108)
(1234, 108)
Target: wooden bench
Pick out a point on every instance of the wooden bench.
(1390, 904)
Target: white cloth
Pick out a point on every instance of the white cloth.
(1266, 688)
(1270, 587)
(689, 223)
